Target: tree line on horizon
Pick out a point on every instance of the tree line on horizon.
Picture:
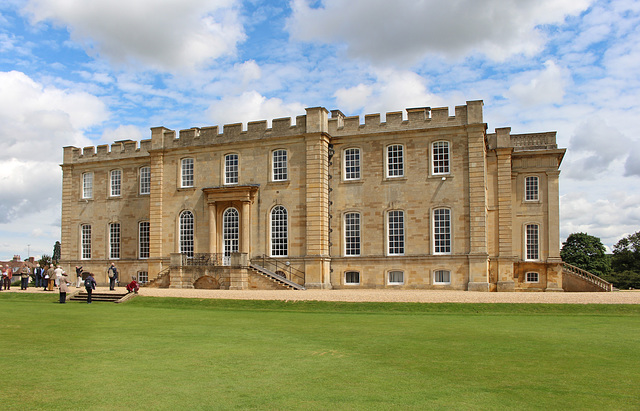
(621, 268)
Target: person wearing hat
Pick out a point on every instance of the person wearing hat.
(64, 288)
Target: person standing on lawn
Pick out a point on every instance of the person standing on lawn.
(89, 285)
(37, 273)
(49, 278)
(6, 278)
(24, 277)
(113, 276)
(78, 276)
(64, 288)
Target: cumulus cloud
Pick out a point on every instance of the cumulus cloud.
(597, 145)
(540, 87)
(37, 121)
(251, 106)
(390, 90)
(161, 34)
(404, 32)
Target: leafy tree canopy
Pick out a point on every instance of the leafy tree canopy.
(626, 254)
(587, 252)
(56, 252)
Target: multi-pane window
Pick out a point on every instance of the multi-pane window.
(442, 231)
(114, 240)
(143, 239)
(143, 277)
(352, 277)
(352, 164)
(231, 231)
(442, 277)
(532, 277)
(532, 242)
(395, 277)
(279, 232)
(352, 234)
(440, 156)
(87, 185)
(86, 241)
(186, 228)
(231, 169)
(279, 165)
(145, 180)
(186, 172)
(531, 188)
(115, 182)
(395, 161)
(395, 232)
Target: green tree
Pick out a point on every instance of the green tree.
(626, 254)
(56, 252)
(587, 252)
(44, 261)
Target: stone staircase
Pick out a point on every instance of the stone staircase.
(592, 281)
(279, 280)
(110, 297)
(160, 281)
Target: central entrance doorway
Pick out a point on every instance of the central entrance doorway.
(230, 234)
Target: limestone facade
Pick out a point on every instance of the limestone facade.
(429, 201)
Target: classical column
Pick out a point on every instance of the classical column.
(244, 220)
(213, 229)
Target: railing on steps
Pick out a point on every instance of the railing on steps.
(280, 268)
(203, 259)
(592, 278)
(277, 277)
(160, 275)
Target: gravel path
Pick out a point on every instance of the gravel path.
(418, 296)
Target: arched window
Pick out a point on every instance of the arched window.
(279, 232)
(186, 233)
(231, 231)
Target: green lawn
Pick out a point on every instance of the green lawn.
(169, 353)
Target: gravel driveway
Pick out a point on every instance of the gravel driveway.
(419, 296)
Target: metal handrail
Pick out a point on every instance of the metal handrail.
(291, 274)
(579, 272)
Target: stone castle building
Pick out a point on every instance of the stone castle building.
(432, 201)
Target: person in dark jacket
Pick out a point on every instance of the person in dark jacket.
(112, 272)
(89, 285)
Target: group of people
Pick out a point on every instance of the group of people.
(54, 276)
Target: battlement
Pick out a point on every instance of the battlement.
(315, 120)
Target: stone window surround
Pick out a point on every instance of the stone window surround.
(433, 159)
(231, 172)
(441, 271)
(353, 273)
(115, 187)
(142, 181)
(345, 232)
(532, 277)
(401, 161)
(181, 172)
(355, 150)
(87, 185)
(389, 282)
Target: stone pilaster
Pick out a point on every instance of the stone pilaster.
(66, 236)
(156, 232)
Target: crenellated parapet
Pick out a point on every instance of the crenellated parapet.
(122, 149)
(316, 120)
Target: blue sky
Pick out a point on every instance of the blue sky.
(81, 73)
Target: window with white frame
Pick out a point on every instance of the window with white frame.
(442, 231)
(143, 239)
(231, 169)
(440, 157)
(532, 242)
(186, 172)
(85, 232)
(186, 233)
(395, 160)
(114, 241)
(442, 277)
(532, 277)
(115, 183)
(352, 164)
(279, 165)
(395, 232)
(395, 277)
(352, 277)
(87, 185)
(531, 188)
(143, 277)
(145, 180)
(352, 234)
(231, 231)
(279, 232)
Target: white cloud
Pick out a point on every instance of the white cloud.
(540, 87)
(406, 31)
(251, 106)
(597, 146)
(392, 90)
(123, 133)
(161, 34)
